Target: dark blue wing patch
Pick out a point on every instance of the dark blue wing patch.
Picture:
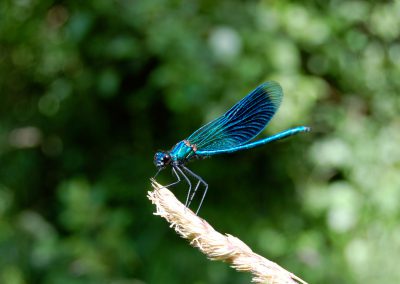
(242, 122)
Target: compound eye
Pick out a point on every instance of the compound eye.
(166, 159)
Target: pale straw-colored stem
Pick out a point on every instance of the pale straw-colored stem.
(213, 244)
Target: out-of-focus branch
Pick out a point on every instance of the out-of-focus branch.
(215, 245)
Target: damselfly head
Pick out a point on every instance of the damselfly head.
(162, 159)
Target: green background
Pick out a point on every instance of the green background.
(89, 90)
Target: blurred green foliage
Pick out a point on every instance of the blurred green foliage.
(89, 90)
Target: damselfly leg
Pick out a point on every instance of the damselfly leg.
(178, 179)
(189, 182)
(200, 180)
(159, 170)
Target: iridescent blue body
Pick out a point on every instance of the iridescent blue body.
(227, 134)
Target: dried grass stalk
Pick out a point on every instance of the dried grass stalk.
(215, 245)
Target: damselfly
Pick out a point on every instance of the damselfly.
(227, 134)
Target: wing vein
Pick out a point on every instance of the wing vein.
(242, 122)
